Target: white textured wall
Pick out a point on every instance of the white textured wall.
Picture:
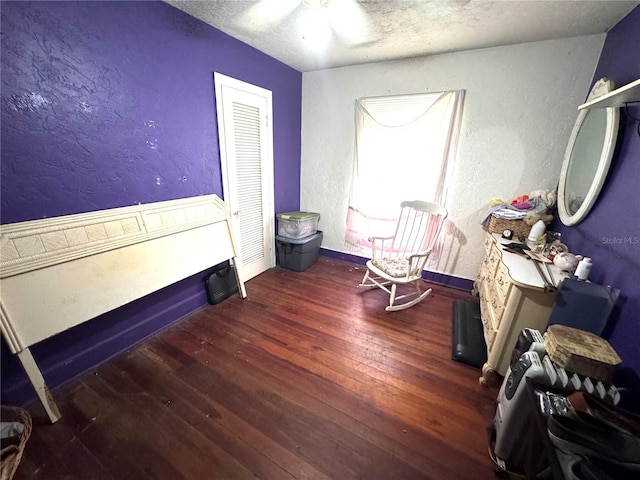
(519, 109)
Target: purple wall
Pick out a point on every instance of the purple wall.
(611, 232)
(108, 104)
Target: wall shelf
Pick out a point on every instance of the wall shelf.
(617, 98)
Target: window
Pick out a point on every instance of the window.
(403, 151)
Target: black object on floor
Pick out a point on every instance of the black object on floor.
(221, 284)
(467, 337)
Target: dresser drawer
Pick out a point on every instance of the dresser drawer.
(486, 276)
(497, 309)
(489, 266)
(502, 283)
(493, 308)
(488, 243)
(485, 315)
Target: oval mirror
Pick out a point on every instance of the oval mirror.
(587, 158)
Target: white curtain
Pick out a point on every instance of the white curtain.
(404, 150)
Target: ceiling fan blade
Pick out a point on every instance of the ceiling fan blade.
(349, 22)
(267, 14)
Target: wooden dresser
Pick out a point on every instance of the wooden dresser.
(512, 297)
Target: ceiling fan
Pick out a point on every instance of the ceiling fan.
(316, 20)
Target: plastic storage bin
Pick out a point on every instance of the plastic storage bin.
(296, 225)
(298, 254)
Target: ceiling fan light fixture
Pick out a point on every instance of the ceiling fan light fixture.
(319, 4)
(315, 28)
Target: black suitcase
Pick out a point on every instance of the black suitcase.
(221, 284)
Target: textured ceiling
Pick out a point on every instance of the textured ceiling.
(378, 30)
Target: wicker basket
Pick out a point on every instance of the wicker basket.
(581, 352)
(12, 454)
(518, 227)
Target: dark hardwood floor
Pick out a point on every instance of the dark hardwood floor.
(307, 378)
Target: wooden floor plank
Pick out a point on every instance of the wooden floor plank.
(290, 384)
(307, 378)
(379, 389)
(288, 405)
(374, 361)
(364, 391)
(235, 436)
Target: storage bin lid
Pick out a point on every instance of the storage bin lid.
(300, 241)
(297, 215)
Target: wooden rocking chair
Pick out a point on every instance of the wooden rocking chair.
(400, 260)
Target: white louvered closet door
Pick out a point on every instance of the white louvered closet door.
(246, 150)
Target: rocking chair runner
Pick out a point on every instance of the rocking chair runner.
(400, 259)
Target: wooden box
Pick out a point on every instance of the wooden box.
(581, 352)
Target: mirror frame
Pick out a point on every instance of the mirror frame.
(601, 87)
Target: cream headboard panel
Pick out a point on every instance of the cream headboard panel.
(59, 272)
